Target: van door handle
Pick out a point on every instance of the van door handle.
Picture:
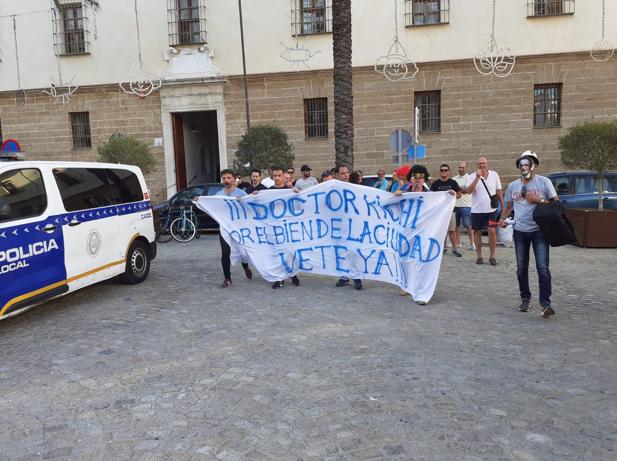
(49, 228)
(74, 223)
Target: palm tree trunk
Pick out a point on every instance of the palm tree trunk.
(343, 87)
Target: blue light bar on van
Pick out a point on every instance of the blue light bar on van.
(12, 156)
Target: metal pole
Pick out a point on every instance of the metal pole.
(246, 87)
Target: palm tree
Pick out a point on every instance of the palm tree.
(343, 87)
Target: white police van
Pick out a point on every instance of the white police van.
(66, 225)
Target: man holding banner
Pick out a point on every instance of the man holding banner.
(339, 229)
(230, 190)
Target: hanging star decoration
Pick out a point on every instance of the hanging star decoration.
(60, 92)
(495, 61)
(395, 65)
(297, 55)
(141, 82)
(603, 49)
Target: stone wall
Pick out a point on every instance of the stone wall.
(43, 128)
(480, 115)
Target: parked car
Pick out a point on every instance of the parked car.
(579, 189)
(371, 179)
(205, 221)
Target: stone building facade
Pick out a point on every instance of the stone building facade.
(194, 122)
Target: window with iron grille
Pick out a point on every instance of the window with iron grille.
(80, 128)
(316, 118)
(71, 35)
(426, 12)
(311, 17)
(549, 7)
(186, 22)
(547, 105)
(429, 103)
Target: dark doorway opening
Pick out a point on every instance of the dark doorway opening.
(196, 148)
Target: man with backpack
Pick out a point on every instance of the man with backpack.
(524, 195)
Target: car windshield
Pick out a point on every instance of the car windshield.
(589, 184)
(213, 189)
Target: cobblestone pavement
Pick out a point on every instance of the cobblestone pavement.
(178, 369)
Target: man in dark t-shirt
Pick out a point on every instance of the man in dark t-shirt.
(255, 182)
(281, 183)
(445, 183)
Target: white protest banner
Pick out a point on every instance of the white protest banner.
(339, 229)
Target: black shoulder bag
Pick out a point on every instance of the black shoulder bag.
(494, 198)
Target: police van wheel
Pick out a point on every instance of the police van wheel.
(137, 263)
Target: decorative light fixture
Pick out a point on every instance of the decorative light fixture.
(395, 65)
(20, 94)
(141, 82)
(495, 61)
(60, 92)
(603, 49)
(297, 55)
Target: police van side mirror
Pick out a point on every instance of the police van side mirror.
(5, 210)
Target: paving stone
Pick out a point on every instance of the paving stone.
(176, 368)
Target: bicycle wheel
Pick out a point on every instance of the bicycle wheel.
(182, 229)
(162, 230)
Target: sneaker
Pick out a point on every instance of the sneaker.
(456, 253)
(342, 283)
(492, 261)
(525, 305)
(479, 261)
(357, 284)
(226, 283)
(547, 311)
(278, 284)
(295, 281)
(445, 250)
(248, 272)
(472, 247)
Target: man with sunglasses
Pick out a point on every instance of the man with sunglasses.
(523, 195)
(445, 183)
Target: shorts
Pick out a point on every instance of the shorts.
(452, 223)
(480, 220)
(463, 215)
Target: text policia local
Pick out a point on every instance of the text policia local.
(291, 221)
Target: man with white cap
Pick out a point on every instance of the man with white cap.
(523, 195)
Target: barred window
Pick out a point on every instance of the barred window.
(316, 118)
(186, 22)
(547, 105)
(426, 12)
(311, 17)
(71, 35)
(549, 7)
(429, 104)
(80, 129)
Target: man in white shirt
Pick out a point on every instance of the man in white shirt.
(462, 207)
(268, 181)
(482, 186)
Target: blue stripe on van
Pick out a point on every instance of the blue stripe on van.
(32, 259)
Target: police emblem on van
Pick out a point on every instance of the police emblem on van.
(93, 244)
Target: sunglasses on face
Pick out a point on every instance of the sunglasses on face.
(524, 191)
(444, 170)
(418, 175)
